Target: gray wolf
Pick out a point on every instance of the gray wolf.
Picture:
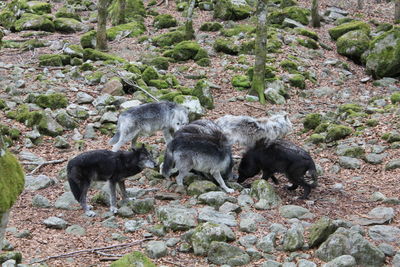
(199, 146)
(148, 118)
(105, 165)
(279, 156)
(246, 130)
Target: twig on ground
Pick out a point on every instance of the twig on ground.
(41, 163)
(107, 254)
(247, 104)
(174, 263)
(109, 259)
(138, 87)
(92, 250)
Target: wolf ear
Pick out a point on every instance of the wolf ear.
(133, 147)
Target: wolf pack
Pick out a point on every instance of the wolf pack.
(202, 146)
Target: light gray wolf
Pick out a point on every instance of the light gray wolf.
(246, 130)
(105, 165)
(148, 118)
(279, 156)
(199, 146)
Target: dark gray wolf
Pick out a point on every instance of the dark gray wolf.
(279, 156)
(246, 130)
(105, 165)
(148, 118)
(199, 146)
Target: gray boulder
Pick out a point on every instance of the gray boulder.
(38, 182)
(40, 202)
(200, 187)
(384, 233)
(69, 25)
(215, 199)
(350, 163)
(320, 231)
(223, 253)
(293, 211)
(134, 225)
(267, 243)
(261, 189)
(378, 215)
(232, 9)
(342, 261)
(143, 206)
(66, 202)
(75, 230)
(208, 214)
(156, 249)
(177, 217)
(293, 239)
(55, 222)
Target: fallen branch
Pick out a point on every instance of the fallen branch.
(138, 87)
(41, 163)
(92, 250)
(255, 107)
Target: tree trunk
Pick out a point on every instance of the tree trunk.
(121, 13)
(189, 32)
(397, 11)
(360, 4)
(258, 83)
(315, 19)
(101, 36)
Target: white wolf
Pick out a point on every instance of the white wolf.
(199, 146)
(246, 130)
(148, 118)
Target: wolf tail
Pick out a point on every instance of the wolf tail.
(313, 172)
(115, 138)
(168, 163)
(76, 187)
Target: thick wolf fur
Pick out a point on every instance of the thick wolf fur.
(279, 156)
(148, 118)
(105, 165)
(199, 146)
(246, 130)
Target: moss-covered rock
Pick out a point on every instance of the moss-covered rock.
(38, 7)
(160, 63)
(94, 55)
(7, 19)
(68, 25)
(353, 44)
(237, 29)
(164, 21)
(320, 231)
(338, 31)
(150, 74)
(94, 78)
(66, 13)
(203, 92)
(241, 81)
(203, 62)
(294, 12)
(297, 80)
(12, 180)
(133, 259)
(53, 101)
(210, 26)
(384, 27)
(316, 138)
(169, 38)
(336, 132)
(311, 121)
(395, 98)
(185, 50)
(226, 45)
(289, 65)
(159, 84)
(232, 10)
(308, 42)
(75, 51)
(88, 39)
(391, 137)
(34, 22)
(31, 44)
(50, 60)
(134, 11)
(305, 32)
(350, 108)
(383, 58)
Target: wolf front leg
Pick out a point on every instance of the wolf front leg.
(113, 197)
(217, 176)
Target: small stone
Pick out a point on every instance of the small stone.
(55, 222)
(76, 230)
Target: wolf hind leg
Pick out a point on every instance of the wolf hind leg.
(122, 188)
(125, 136)
(83, 200)
(113, 197)
(167, 135)
(217, 176)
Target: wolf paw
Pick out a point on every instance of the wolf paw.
(90, 213)
(229, 190)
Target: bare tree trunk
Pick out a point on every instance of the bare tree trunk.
(121, 13)
(360, 4)
(101, 36)
(315, 19)
(258, 83)
(189, 32)
(397, 11)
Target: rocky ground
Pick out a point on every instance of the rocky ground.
(359, 174)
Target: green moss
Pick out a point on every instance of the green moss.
(185, 50)
(227, 10)
(308, 42)
(12, 180)
(211, 26)
(289, 65)
(133, 259)
(372, 122)
(242, 81)
(307, 33)
(204, 62)
(150, 74)
(239, 28)
(134, 11)
(54, 60)
(134, 28)
(353, 44)
(12, 133)
(384, 27)
(94, 78)
(226, 46)
(34, 22)
(294, 12)
(86, 66)
(68, 25)
(65, 13)
(391, 137)
(31, 44)
(160, 84)
(170, 96)
(316, 138)
(88, 39)
(354, 152)
(7, 19)
(39, 7)
(350, 108)
(53, 101)
(23, 115)
(160, 63)
(94, 55)
(337, 132)
(311, 121)
(2, 104)
(338, 31)
(13, 255)
(203, 93)
(395, 98)
(297, 80)
(164, 21)
(169, 38)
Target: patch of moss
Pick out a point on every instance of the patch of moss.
(65, 13)
(94, 55)
(31, 44)
(204, 62)
(391, 137)
(353, 44)
(384, 27)
(294, 12)
(34, 22)
(150, 74)
(169, 38)
(242, 81)
(228, 10)
(2, 104)
(164, 21)
(86, 66)
(160, 63)
(350, 108)
(211, 26)
(237, 29)
(297, 80)
(226, 46)
(338, 31)
(316, 138)
(52, 60)
(12, 180)
(134, 29)
(39, 7)
(372, 122)
(185, 50)
(88, 39)
(336, 132)
(53, 101)
(133, 259)
(308, 42)
(395, 98)
(160, 84)
(289, 65)
(311, 121)
(305, 32)
(134, 11)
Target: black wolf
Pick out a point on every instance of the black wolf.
(105, 165)
(148, 118)
(279, 156)
(199, 146)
